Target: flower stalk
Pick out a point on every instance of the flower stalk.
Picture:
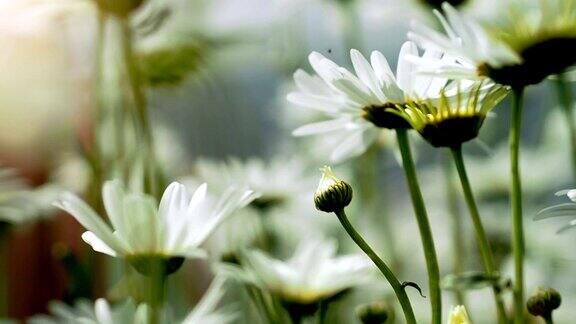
(423, 225)
(144, 127)
(516, 205)
(565, 100)
(388, 274)
(481, 237)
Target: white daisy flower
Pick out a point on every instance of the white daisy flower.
(537, 40)
(101, 312)
(141, 229)
(312, 274)
(356, 104)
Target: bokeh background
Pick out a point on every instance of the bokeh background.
(221, 95)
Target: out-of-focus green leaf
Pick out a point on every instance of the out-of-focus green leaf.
(469, 281)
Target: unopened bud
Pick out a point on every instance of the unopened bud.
(543, 302)
(374, 313)
(332, 194)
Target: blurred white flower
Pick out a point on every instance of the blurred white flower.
(467, 40)
(356, 104)
(312, 274)
(205, 311)
(236, 234)
(101, 312)
(20, 203)
(458, 315)
(531, 42)
(139, 228)
(276, 182)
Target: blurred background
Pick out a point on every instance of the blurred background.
(217, 74)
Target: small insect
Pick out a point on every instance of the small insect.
(329, 51)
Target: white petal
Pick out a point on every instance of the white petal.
(310, 84)
(322, 127)
(320, 103)
(113, 196)
(406, 69)
(366, 73)
(355, 144)
(103, 312)
(89, 219)
(97, 244)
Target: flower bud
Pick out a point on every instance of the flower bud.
(374, 313)
(543, 302)
(459, 316)
(120, 8)
(332, 194)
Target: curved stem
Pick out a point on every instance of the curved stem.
(481, 238)
(423, 225)
(516, 206)
(396, 285)
(565, 100)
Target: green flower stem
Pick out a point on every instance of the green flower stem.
(423, 225)
(258, 298)
(457, 227)
(565, 100)
(481, 238)
(139, 97)
(158, 292)
(323, 311)
(516, 206)
(548, 319)
(388, 274)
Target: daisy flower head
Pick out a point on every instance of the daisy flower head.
(314, 272)
(456, 117)
(536, 39)
(144, 232)
(357, 104)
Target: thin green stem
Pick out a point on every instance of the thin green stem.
(323, 311)
(565, 100)
(139, 97)
(516, 206)
(548, 319)
(481, 237)
(457, 228)
(388, 274)
(423, 226)
(258, 299)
